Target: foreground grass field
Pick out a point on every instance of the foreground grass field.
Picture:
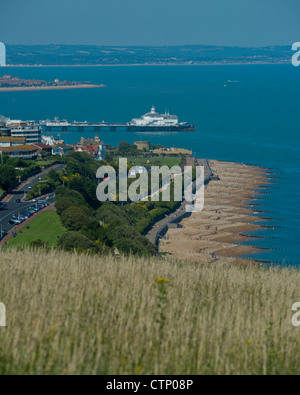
(70, 314)
(46, 227)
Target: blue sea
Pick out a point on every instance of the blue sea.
(254, 119)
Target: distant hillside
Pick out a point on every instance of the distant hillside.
(98, 55)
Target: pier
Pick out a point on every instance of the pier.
(84, 127)
(150, 122)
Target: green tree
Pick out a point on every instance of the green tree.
(71, 241)
(8, 177)
(74, 218)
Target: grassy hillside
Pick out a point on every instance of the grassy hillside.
(70, 314)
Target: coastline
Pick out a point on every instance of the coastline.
(151, 64)
(50, 88)
(211, 234)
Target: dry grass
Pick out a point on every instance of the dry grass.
(70, 314)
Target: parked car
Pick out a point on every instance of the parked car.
(15, 221)
(3, 233)
(43, 203)
(34, 209)
(27, 213)
(18, 201)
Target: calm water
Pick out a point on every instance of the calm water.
(254, 120)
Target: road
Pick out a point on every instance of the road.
(14, 208)
(158, 228)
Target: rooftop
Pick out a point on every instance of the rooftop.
(13, 139)
(21, 148)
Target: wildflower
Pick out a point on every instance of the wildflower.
(162, 280)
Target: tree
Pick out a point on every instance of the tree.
(40, 244)
(71, 241)
(8, 177)
(127, 247)
(74, 218)
(125, 232)
(62, 205)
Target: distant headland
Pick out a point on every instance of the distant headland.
(12, 84)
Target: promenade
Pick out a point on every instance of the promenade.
(161, 227)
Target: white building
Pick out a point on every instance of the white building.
(31, 131)
(2, 55)
(153, 118)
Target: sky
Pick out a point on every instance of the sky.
(150, 22)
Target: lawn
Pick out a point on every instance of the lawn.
(155, 161)
(43, 163)
(46, 227)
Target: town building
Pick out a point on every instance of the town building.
(31, 131)
(84, 142)
(98, 151)
(92, 146)
(62, 149)
(7, 141)
(43, 148)
(22, 152)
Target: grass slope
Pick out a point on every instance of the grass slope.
(46, 227)
(73, 314)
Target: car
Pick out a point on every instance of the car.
(3, 233)
(14, 221)
(43, 203)
(18, 201)
(27, 213)
(29, 188)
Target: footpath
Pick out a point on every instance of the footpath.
(160, 228)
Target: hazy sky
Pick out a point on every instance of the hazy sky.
(150, 22)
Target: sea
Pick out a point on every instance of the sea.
(243, 113)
